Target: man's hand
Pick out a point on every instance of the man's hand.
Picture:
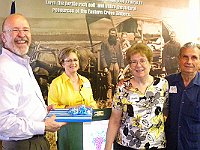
(51, 125)
(50, 107)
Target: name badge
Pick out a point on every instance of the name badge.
(86, 85)
(172, 89)
(134, 98)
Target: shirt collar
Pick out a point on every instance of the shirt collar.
(15, 57)
(196, 79)
(178, 78)
(175, 77)
(66, 78)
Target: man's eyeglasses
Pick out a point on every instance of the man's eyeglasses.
(17, 31)
(141, 61)
(70, 60)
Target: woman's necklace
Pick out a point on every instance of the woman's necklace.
(142, 86)
(74, 80)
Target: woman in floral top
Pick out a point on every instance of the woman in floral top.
(139, 106)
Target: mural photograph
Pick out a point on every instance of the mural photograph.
(85, 25)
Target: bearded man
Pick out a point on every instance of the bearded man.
(111, 59)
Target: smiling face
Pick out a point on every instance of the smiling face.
(71, 63)
(140, 66)
(189, 60)
(16, 35)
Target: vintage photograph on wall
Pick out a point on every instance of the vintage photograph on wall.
(84, 25)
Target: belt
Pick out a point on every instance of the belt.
(32, 138)
(38, 135)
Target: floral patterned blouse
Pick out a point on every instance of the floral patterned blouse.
(142, 124)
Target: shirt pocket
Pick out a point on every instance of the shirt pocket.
(192, 110)
(191, 119)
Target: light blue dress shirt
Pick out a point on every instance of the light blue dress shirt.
(22, 108)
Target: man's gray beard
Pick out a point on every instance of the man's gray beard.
(19, 53)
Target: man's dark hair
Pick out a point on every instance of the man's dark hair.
(112, 29)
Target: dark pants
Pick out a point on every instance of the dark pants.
(38, 142)
(117, 146)
(112, 78)
(113, 73)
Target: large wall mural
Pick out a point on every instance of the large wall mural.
(85, 24)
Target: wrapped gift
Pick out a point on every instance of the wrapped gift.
(76, 114)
